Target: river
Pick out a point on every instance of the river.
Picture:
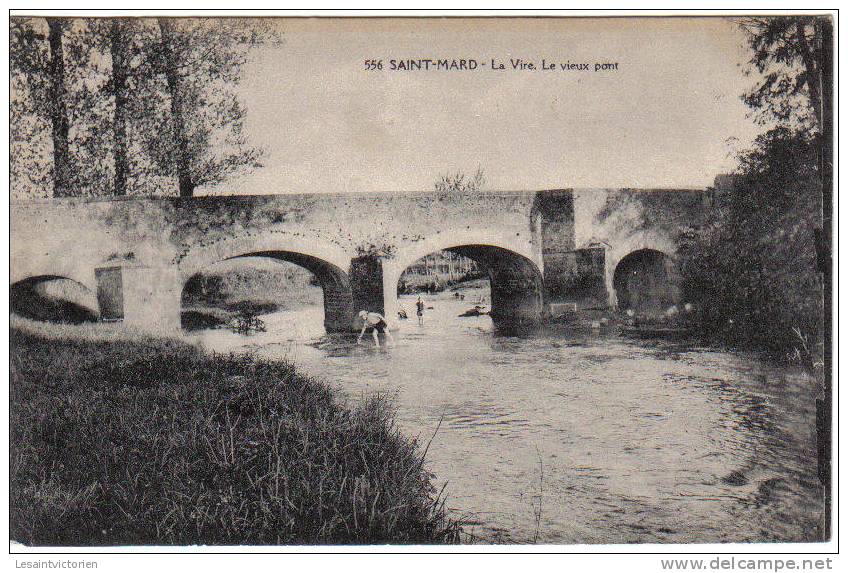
(569, 437)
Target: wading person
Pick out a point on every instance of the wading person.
(419, 310)
(376, 322)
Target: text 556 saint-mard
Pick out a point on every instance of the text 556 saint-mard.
(490, 64)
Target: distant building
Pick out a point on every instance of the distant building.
(439, 270)
(724, 182)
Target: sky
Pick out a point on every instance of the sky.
(670, 116)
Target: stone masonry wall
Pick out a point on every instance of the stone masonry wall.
(162, 242)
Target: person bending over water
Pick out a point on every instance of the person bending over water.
(376, 322)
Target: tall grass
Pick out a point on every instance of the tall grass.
(130, 442)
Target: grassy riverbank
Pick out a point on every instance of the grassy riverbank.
(143, 441)
(239, 288)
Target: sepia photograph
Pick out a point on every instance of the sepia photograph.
(436, 280)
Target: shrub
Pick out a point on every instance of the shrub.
(752, 272)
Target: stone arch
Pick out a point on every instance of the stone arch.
(69, 301)
(515, 278)
(646, 281)
(79, 272)
(622, 247)
(326, 262)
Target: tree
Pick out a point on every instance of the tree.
(754, 266)
(30, 164)
(118, 40)
(130, 94)
(60, 124)
(171, 66)
(38, 110)
(753, 269)
(58, 109)
(127, 105)
(201, 60)
(795, 56)
(789, 53)
(460, 183)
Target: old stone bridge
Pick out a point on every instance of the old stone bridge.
(544, 250)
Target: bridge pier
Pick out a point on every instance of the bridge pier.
(367, 286)
(390, 298)
(145, 298)
(515, 283)
(338, 307)
(516, 302)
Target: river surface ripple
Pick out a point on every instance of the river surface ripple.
(621, 441)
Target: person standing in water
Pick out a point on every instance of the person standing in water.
(377, 323)
(419, 310)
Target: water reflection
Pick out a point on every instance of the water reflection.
(635, 441)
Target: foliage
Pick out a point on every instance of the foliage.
(752, 271)
(202, 140)
(280, 282)
(122, 77)
(222, 297)
(786, 52)
(412, 284)
(153, 442)
(376, 251)
(247, 322)
(29, 106)
(626, 209)
(459, 182)
(39, 101)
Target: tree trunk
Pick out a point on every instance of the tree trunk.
(118, 38)
(824, 404)
(178, 114)
(812, 73)
(58, 110)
